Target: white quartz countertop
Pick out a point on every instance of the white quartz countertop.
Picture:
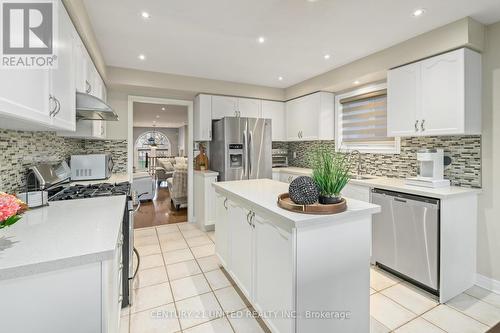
(63, 234)
(114, 178)
(394, 184)
(206, 173)
(262, 194)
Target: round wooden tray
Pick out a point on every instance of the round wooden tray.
(285, 202)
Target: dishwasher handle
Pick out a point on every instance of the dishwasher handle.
(404, 197)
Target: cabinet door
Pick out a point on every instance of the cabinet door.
(294, 119)
(443, 88)
(273, 273)
(222, 239)
(403, 100)
(24, 94)
(249, 107)
(276, 112)
(223, 106)
(203, 118)
(62, 78)
(310, 107)
(80, 65)
(241, 247)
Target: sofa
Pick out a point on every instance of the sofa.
(177, 186)
(166, 167)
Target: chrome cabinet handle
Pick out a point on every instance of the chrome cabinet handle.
(248, 217)
(416, 125)
(225, 201)
(88, 87)
(54, 104)
(58, 107)
(252, 217)
(422, 125)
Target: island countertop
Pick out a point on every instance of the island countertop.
(262, 195)
(63, 234)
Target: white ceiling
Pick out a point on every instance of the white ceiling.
(217, 39)
(148, 114)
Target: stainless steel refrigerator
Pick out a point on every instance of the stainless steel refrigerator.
(241, 148)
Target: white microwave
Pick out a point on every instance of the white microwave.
(91, 167)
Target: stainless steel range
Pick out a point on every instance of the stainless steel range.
(103, 190)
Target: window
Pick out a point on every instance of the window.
(143, 147)
(362, 121)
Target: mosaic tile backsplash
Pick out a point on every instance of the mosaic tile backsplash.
(465, 153)
(20, 149)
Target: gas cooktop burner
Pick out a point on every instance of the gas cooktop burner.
(92, 191)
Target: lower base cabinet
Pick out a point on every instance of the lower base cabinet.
(259, 257)
(294, 277)
(80, 299)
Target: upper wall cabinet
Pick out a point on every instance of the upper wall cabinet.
(42, 99)
(310, 117)
(276, 112)
(226, 106)
(436, 96)
(202, 116)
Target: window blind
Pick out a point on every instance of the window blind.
(364, 118)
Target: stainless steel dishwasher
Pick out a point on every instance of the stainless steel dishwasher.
(406, 237)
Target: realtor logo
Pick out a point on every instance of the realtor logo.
(28, 34)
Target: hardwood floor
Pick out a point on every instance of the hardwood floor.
(159, 212)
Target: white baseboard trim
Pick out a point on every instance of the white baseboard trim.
(488, 283)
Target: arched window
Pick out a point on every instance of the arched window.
(143, 146)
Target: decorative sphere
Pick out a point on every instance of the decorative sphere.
(303, 191)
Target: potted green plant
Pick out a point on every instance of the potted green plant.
(331, 174)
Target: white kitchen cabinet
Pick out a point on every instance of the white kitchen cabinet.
(273, 272)
(24, 99)
(80, 299)
(42, 99)
(310, 117)
(241, 247)
(62, 82)
(202, 117)
(222, 240)
(204, 198)
(276, 112)
(403, 91)
(228, 106)
(249, 107)
(436, 96)
(224, 106)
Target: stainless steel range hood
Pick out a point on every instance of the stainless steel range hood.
(89, 107)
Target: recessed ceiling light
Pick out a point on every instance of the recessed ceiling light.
(356, 82)
(154, 121)
(280, 78)
(261, 39)
(163, 108)
(145, 15)
(157, 116)
(312, 0)
(418, 12)
(142, 57)
(327, 56)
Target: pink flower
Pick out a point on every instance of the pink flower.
(9, 206)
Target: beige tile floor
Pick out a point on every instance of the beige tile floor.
(181, 288)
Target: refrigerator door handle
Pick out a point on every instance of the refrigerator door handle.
(250, 150)
(245, 153)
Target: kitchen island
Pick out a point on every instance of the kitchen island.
(303, 273)
(60, 267)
